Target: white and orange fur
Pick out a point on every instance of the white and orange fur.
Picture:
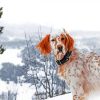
(81, 72)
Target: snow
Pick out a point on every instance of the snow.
(93, 96)
(62, 97)
(11, 56)
(24, 91)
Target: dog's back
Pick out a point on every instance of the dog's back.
(82, 74)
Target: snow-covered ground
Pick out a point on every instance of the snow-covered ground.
(69, 97)
(24, 91)
(62, 97)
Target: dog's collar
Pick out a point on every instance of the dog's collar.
(64, 59)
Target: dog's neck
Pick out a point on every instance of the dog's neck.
(65, 66)
(69, 57)
(65, 58)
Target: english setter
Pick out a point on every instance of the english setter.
(80, 71)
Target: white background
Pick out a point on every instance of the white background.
(69, 14)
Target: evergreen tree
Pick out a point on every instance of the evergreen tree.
(1, 29)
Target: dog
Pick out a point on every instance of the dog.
(80, 71)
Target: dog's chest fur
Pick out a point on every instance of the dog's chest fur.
(83, 71)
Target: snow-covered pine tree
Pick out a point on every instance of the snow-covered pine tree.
(1, 29)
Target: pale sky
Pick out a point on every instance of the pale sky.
(69, 14)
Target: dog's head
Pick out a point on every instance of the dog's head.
(59, 44)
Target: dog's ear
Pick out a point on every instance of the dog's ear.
(70, 42)
(44, 45)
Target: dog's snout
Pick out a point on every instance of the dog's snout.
(59, 47)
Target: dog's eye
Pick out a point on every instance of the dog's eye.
(53, 40)
(62, 38)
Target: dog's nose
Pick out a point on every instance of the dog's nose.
(59, 47)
